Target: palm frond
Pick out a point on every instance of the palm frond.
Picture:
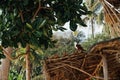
(100, 18)
(96, 7)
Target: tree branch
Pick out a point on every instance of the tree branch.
(38, 9)
(21, 15)
(10, 57)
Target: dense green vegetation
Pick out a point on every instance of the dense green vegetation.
(27, 25)
(91, 41)
(32, 21)
(63, 45)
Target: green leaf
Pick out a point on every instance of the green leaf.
(46, 45)
(73, 25)
(80, 1)
(29, 26)
(25, 2)
(16, 26)
(62, 28)
(100, 18)
(81, 22)
(45, 32)
(34, 41)
(55, 28)
(2, 56)
(42, 23)
(32, 57)
(1, 48)
(20, 77)
(38, 33)
(84, 7)
(40, 51)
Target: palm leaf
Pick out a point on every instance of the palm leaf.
(100, 18)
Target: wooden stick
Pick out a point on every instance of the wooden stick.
(55, 68)
(47, 74)
(21, 15)
(70, 71)
(112, 51)
(82, 71)
(83, 62)
(81, 56)
(98, 67)
(105, 67)
(38, 9)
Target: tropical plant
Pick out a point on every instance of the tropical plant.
(97, 13)
(63, 45)
(79, 37)
(30, 22)
(19, 64)
(16, 75)
(91, 41)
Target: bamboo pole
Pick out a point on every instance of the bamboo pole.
(105, 67)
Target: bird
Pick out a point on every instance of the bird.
(79, 47)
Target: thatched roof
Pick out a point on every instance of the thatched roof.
(112, 16)
(116, 3)
(86, 65)
(112, 45)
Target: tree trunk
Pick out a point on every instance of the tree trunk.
(92, 25)
(28, 70)
(5, 66)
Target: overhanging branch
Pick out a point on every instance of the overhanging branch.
(10, 57)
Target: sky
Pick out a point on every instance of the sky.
(86, 30)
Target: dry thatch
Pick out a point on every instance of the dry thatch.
(102, 61)
(116, 3)
(112, 16)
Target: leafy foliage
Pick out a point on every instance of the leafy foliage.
(97, 14)
(32, 21)
(15, 74)
(79, 37)
(18, 65)
(62, 46)
(90, 41)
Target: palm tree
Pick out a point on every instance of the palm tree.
(97, 13)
